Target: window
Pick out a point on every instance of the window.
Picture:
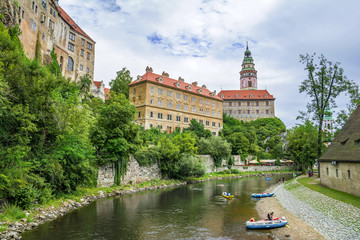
(257, 103)
(70, 64)
(36, 8)
(82, 42)
(51, 11)
(218, 124)
(337, 173)
(200, 100)
(207, 123)
(44, 3)
(169, 93)
(43, 36)
(178, 95)
(248, 103)
(139, 114)
(357, 142)
(160, 126)
(23, 14)
(151, 101)
(257, 111)
(82, 52)
(33, 5)
(186, 97)
(151, 125)
(169, 117)
(160, 103)
(65, 31)
(201, 110)
(207, 102)
(201, 122)
(193, 99)
(230, 111)
(193, 109)
(186, 108)
(33, 25)
(51, 24)
(327, 171)
(344, 142)
(349, 176)
(72, 36)
(134, 91)
(178, 106)
(169, 104)
(248, 111)
(89, 46)
(186, 119)
(88, 56)
(230, 104)
(160, 91)
(71, 46)
(178, 118)
(267, 111)
(213, 113)
(160, 115)
(207, 112)
(239, 111)
(81, 67)
(213, 104)
(267, 103)
(213, 124)
(88, 70)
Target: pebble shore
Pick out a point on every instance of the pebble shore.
(331, 218)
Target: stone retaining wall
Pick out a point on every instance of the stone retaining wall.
(135, 173)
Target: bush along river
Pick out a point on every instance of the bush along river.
(193, 211)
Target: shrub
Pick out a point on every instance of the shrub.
(235, 171)
(147, 156)
(25, 196)
(216, 147)
(190, 166)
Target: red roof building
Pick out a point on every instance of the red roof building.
(170, 104)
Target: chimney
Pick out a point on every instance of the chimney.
(194, 83)
(165, 74)
(149, 69)
(203, 86)
(138, 78)
(181, 79)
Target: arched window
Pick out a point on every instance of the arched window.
(70, 64)
(33, 5)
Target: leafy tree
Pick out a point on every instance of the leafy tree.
(240, 144)
(325, 81)
(216, 147)
(198, 129)
(120, 85)
(302, 144)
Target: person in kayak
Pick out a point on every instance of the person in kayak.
(270, 216)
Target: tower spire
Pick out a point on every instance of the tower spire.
(248, 74)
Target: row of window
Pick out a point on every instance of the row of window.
(71, 47)
(178, 119)
(251, 95)
(247, 112)
(234, 104)
(72, 37)
(186, 107)
(185, 96)
(337, 173)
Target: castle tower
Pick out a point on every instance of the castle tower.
(328, 121)
(248, 74)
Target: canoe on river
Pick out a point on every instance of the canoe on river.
(260, 195)
(227, 195)
(266, 224)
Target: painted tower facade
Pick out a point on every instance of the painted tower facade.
(248, 74)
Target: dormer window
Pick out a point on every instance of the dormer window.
(160, 79)
(138, 78)
(236, 95)
(265, 95)
(357, 142)
(222, 96)
(177, 84)
(251, 95)
(188, 87)
(199, 90)
(344, 142)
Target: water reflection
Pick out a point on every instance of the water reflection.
(195, 211)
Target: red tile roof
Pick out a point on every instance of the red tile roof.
(246, 94)
(152, 77)
(71, 22)
(97, 84)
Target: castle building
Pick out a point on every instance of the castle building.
(248, 103)
(170, 104)
(45, 22)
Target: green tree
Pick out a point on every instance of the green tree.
(198, 129)
(217, 147)
(120, 85)
(302, 144)
(239, 143)
(325, 81)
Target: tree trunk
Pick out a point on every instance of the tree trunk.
(319, 146)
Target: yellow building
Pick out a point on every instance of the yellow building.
(170, 104)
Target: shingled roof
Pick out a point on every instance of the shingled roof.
(346, 144)
(245, 94)
(178, 84)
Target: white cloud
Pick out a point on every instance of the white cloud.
(204, 41)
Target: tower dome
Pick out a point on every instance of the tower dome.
(248, 74)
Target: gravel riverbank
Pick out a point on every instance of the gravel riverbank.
(331, 218)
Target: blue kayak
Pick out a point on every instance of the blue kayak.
(260, 195)
(266, 224)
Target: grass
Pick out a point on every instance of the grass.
(335, 194)
(220, 174)
(12, 213)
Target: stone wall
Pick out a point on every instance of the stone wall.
(135, 173)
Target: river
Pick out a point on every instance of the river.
(194, 211)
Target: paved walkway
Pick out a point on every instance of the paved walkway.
(331, 218)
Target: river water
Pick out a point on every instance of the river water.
(194, 211)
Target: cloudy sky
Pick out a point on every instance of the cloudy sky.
(204, 40)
